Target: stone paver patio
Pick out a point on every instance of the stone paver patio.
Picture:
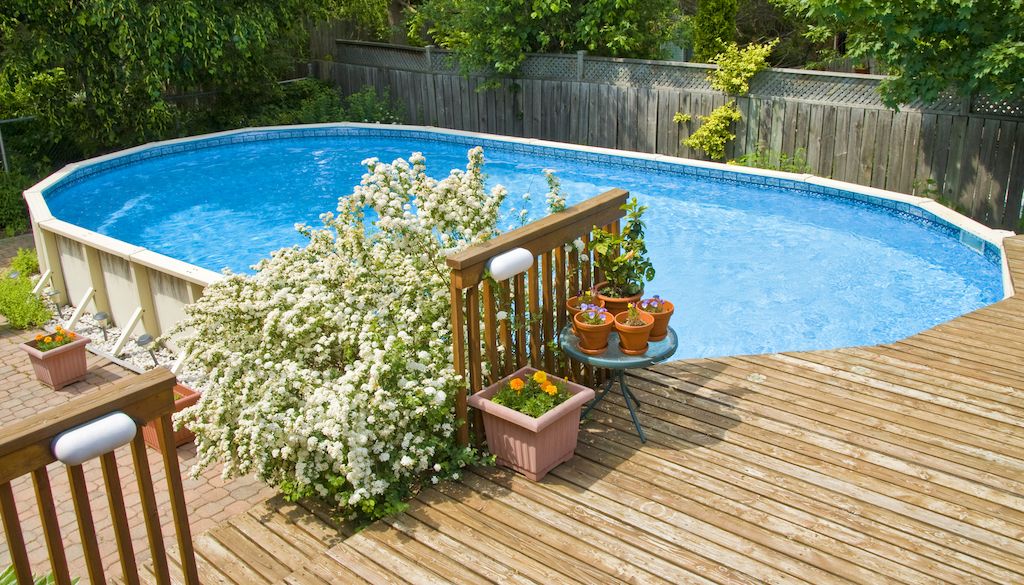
(211, 499)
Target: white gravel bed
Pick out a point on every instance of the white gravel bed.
(132, 354)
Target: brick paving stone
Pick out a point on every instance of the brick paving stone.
(210, 499)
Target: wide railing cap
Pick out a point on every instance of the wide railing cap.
(540, 236)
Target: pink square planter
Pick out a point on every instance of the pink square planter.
(187, 397)
(60, 366)
(531, 446)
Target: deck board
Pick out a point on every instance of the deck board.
(897, 463)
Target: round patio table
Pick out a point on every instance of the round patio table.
(617, 363)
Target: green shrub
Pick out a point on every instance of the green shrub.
(13, 212)
(367, 106)
(737, 66)
(8, 577)
(22, 308)
(714, 132)
(766, 159)
(713, 28)
(25, 262)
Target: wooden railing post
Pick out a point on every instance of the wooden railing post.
(535, 301)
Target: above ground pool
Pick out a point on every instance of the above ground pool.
(753, 264)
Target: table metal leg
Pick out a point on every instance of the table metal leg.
(628, 396)
(600, 397)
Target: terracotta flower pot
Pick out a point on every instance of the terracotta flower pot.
(633, 339)
(531, 446)
(616, 305)
(593, 338)
(187, 397)
(59, 366)
(660, 329)
(573, 306)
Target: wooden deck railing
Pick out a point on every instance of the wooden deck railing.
(487, 348)
(25, 448)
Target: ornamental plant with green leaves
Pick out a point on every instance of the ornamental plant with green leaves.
(592, 314)
(715, 131)
(737, 66)
(493, 37)
(330, 369)
(622, 257)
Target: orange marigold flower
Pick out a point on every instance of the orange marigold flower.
(71, 334)
(39, 336)
(59, 339)
(540, 377)
(550, 389)
(48, 340)
(516, 384)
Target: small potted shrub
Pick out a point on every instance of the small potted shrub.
(58, 358)
(532, 420)
(574, 304)
(184, 397)
(622, 259)
(593, 325)
(662, 311)
(634, 327)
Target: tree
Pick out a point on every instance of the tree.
(494, 36)
(713, 28)
(98, 70)
(929, 46)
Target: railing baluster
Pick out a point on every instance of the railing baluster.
(491, 334)
(459, 361)
(520, 299)
(586, 283)
(177, 496)
(122, 533)
(585, 267)
(51, 527)
(560, 286)
(473, 330)
(533, 284)
(505, 329)
(86, 527)
(147, 497)
(15, 540)
(549, 311)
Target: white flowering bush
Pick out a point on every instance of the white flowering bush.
(330, 369)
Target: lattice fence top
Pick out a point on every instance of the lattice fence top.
(845, 89)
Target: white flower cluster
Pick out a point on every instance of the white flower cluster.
(554, 197)
(330, 370)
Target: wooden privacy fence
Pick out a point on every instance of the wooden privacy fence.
(971, 150)
(487, 348)
(25, 448)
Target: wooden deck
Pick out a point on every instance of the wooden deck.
(895, 463)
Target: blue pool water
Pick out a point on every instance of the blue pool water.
(751, 268)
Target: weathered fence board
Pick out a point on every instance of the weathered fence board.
(973, 151)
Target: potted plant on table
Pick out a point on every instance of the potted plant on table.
(575, 304)
(58, 358)
(622, 259)
(593, 325)
(532, 420)
(634, 327)
(184, 397)
(661, 310)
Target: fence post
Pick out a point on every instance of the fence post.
(429, 55)
(579, 64)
